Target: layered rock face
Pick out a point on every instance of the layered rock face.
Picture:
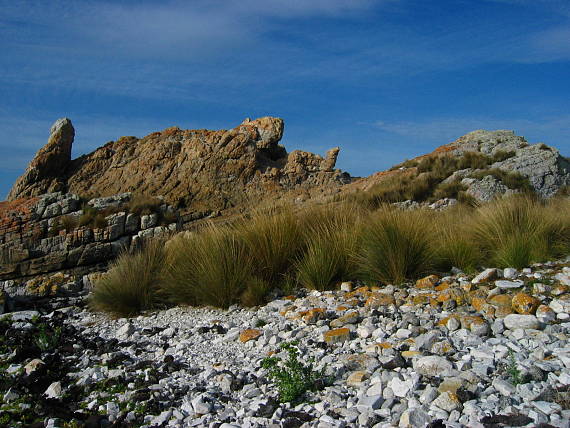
(45, 250)
(194, 168)
(543, 165)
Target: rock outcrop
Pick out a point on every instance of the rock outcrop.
(50, 240)
(199, 169)
(543, 165)
(503, 155)
(44, 174)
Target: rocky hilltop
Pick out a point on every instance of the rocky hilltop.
(483, 164)
(189, 168)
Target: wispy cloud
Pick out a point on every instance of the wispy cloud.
(551, 130)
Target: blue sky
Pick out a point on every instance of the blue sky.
(385, 80)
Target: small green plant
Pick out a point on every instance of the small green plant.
(513, 370)
(292, 377)
(46, 338)
(260, 323)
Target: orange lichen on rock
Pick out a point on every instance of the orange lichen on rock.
(249, 334)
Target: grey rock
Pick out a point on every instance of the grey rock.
(433, 365)
(514, 321)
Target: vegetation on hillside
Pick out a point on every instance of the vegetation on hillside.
(321, 246)
(430, 179)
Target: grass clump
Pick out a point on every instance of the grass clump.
(132, 284)
(396, 246)
(211, 267)
(273, 239)
(502, 155)
(448, 190)
(331, 237)
(519, 231)
(141, 204)
(292, 377)
(455, 245)
(513, 180)
(327, 261)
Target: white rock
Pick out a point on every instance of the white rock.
(559, 305)
(514, 321)
(509, 273)
(453, 324)
(201, 406)
(375, 389)
(504, 284)
(563, 278)
(54, 390)
(504, 387)
(433, 365)
(486, 275)
(447, 401)
(125, 331)
(369, 403)
(400, 387)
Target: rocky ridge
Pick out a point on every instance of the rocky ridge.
(196, 169)
(460, 351)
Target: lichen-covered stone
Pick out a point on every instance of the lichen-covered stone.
(336, 335)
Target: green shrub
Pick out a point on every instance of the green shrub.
(132, 284)
(293, 377)
(396, 246)
(209, 267)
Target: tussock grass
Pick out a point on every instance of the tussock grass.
(330, 233)
(448, 190)
(454, 244)
(397, 246)
(132, 283)
(141, 204)
(273, 239)
(518, 231)
(211, 267)
(320, 246)
(327, 260)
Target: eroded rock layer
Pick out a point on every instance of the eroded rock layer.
(193, 168)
